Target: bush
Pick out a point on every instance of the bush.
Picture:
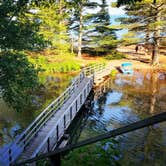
(115, 55)
(56, 63)
(18, 80)
(102, 153)
(113, 72)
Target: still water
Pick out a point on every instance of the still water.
(12, 123)
(121, 100)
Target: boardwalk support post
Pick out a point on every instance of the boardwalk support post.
(55, 160)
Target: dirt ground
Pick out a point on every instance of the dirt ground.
(140, 60)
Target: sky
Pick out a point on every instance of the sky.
(115, 13)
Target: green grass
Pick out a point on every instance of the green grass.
(57, 63)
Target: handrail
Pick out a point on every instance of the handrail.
(25, 137)
(122, 130)
(51, 131)
(44, 141)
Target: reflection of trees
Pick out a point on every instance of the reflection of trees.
(154, 86)
(101, 102)
(153, 148)
(101, 94)
(146, 144)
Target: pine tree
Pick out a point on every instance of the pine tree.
(77, 20)
(149, 15)
(100, 37)
(52, 16)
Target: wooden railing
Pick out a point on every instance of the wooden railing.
(19, 145)
(94, 69)
(54, 156)
(60, 126)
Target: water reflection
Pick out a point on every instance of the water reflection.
(125, 99)
(12, 123)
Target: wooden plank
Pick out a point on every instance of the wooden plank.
(42, 134)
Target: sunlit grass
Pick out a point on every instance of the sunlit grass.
(56, 63)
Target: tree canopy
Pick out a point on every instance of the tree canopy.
(18, 77)
(146, 20)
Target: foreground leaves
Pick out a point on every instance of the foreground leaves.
(18, 79)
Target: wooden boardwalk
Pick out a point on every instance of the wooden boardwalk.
(46, 131)
(54, 129)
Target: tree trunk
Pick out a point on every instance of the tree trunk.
(147, 36)
(156, 38)
(72, 45)
(60, 25)
(147, 45)
(80, 31)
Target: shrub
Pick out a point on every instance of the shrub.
(113, 72)
(56, 63)
(18, 80)
(115, 55)
(101, 153)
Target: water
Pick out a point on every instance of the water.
(12, 123)
(122, 100)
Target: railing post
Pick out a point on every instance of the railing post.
(64, 98)
(76, 105)
(35, 129)
(84, 93)
(44, 118)
(69, 92)
(10, 156)
(70, 113)
(57, 132)
(80, 99)
(48, 144)
(24, 141)
(80, 78)
(64, 122)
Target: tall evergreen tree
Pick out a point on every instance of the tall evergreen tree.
(150, 18)
(78, 16)
(100, 37)
(52, 16)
